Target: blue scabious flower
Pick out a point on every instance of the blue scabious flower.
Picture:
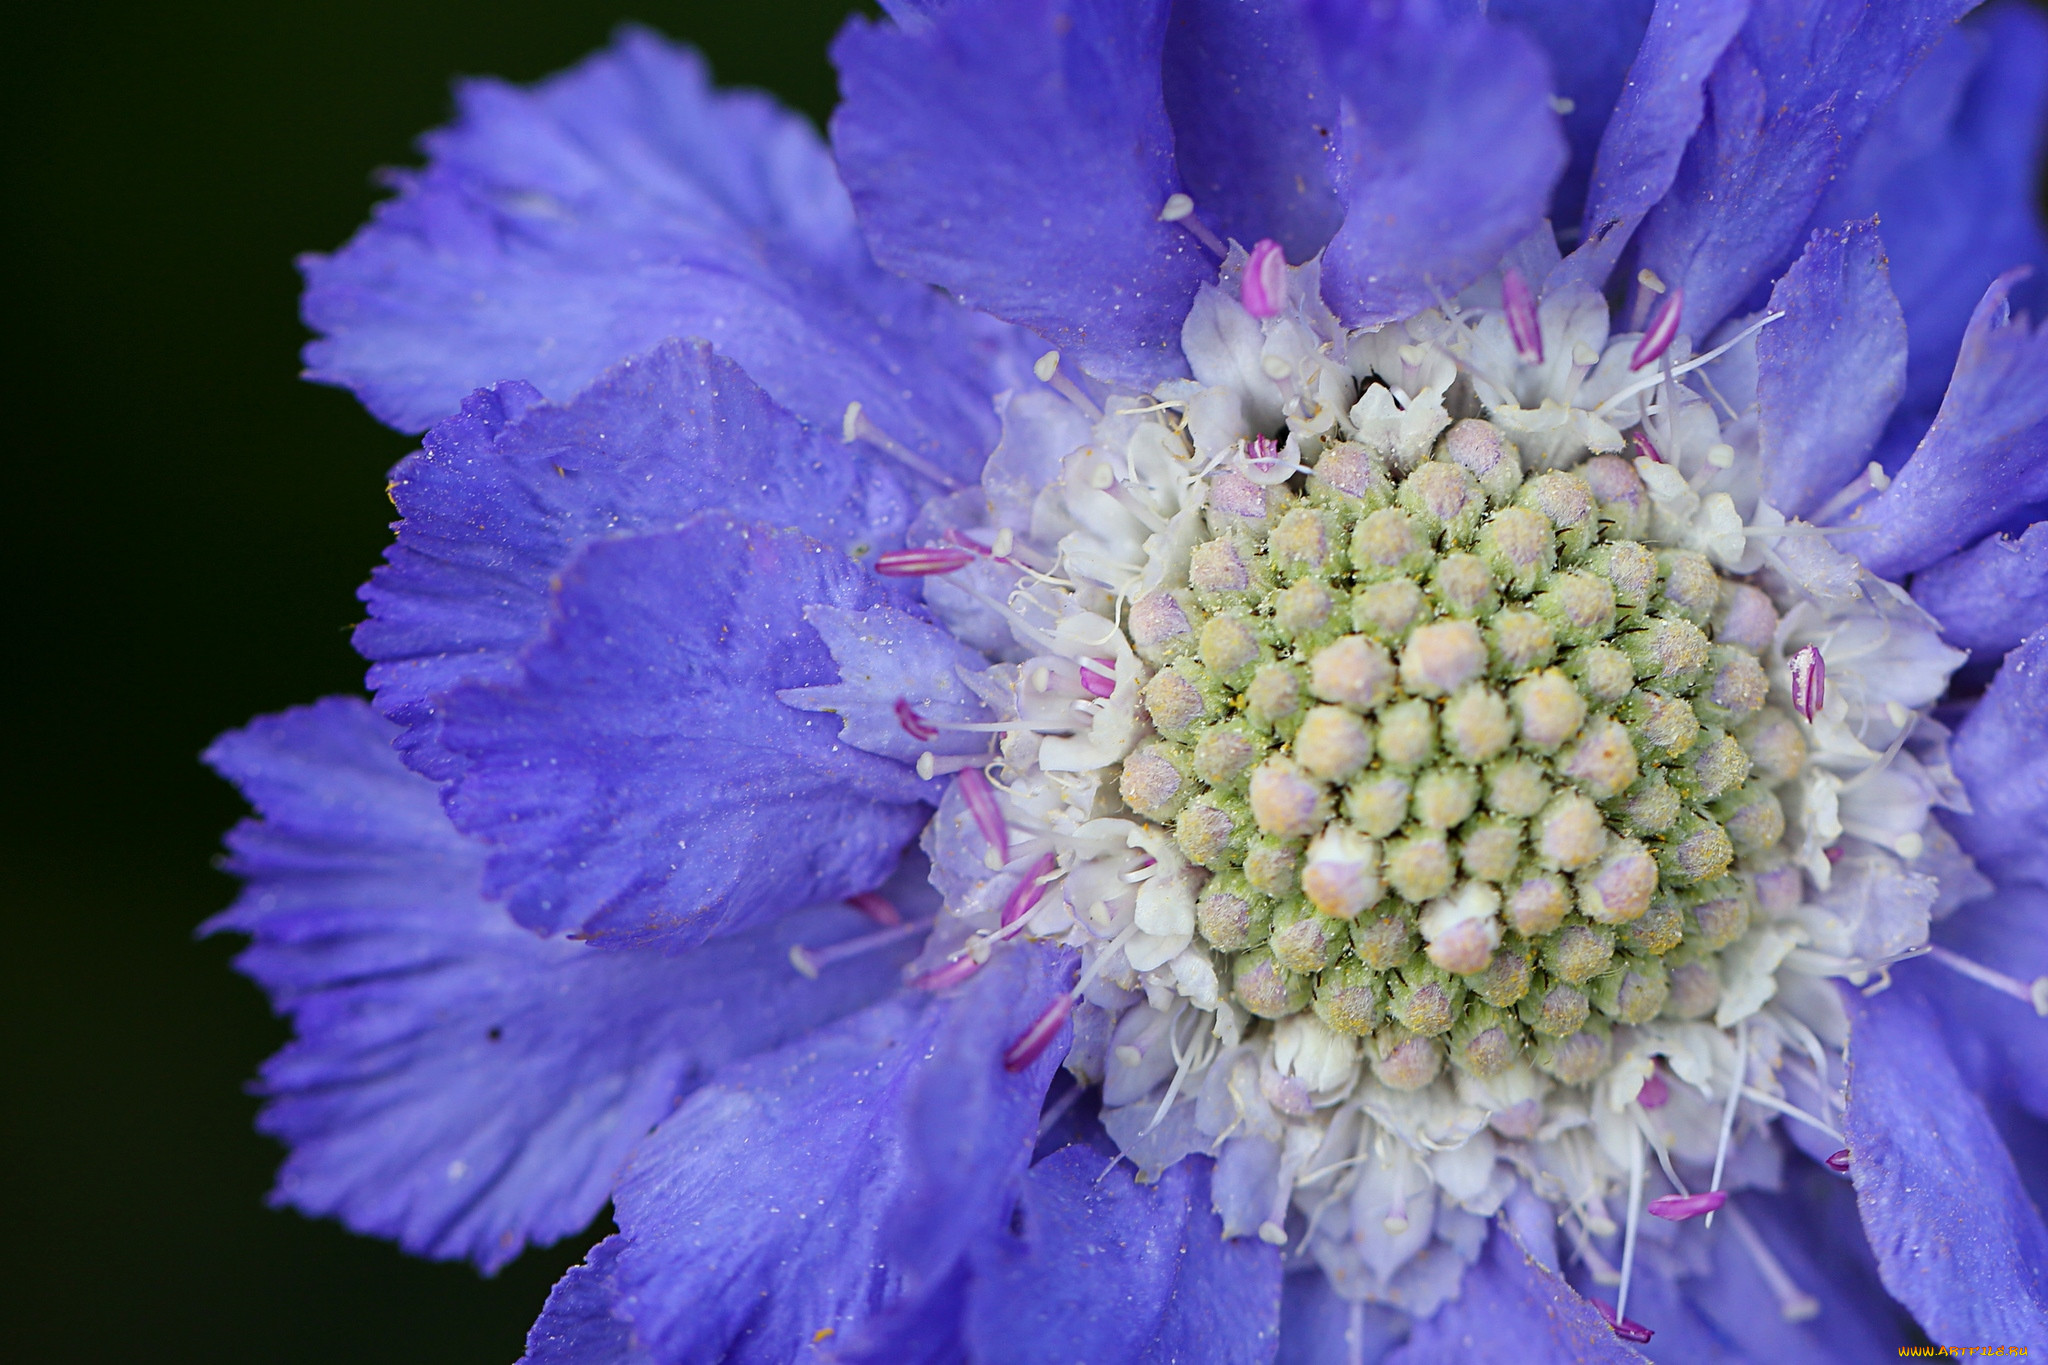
(1407, 719)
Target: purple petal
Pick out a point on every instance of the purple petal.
(1590, 47)
(1256, 153)
(559, 229)
(582, 1323)
(456, 1083)
(1655, 115)
(1830, 371)
(1788, 101)
(1017, 153)
(1511, 1311)
(639, 780)
(841, 1178)
(502, 498)
(1949, 168)
(1999, 1043)
(1984, 462)
(1101, 1268)
(1450, 149)
(1957, 1240)
(885, 659)
(2001, 753)
(1991, 596)
(1314, 1322)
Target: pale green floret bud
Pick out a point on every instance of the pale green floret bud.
(1486, 1041)
(1570, 833)
(1606, 673)
(1667, 650)
(1624, 501)
(1629, 568)
(1444, 797)
(1230, 647)
(1579, 607)
(1657, 932)
(1273, 865)
(1274, 696)
(1231, 915)
(1301, 543)
(1179, 697)
(1633, 990)
(1576, 1058)
(1227, 573)
(1719, 914)
(1489, 457)
(1519, 641)
(1517, 786)
(1265, 987)
(1602, 761)
(1340, 875)
(1537, 902)
(1305, 940)
(1691, 587)
(1349, 476)
(1462, 586)
(1444, 501)
(1419, 867)
(1491, 848)
(1552, 1008)
(1348, 998)
(1387, 611)
(1747, 618)
(1462, 929)
(1662, 727)
(1577, 953)
(1776, 748)
(1304, 610)
(1157, 780)
(1162, 625)
(1286, 801)
(1506, 978)
(1519, 546)
(1753, 818)
(1715, 765)
(1225, 752)
(1736, 687)
(1650, 807)
(1377, 802)
(1403, 1061)
(1384, 939)
(1566, 500)
(1475, 724)
(1619, 888)
(1388, 545)
(1332, 743)
(1407, 734)
(1548, 709)
(1424, 998)
(1209, 831)
(1352, 671)
(1441, 658)
(1695, 850)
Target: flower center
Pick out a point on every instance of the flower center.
(1467, 767)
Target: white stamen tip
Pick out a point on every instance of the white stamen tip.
(1563, 104)
(1650, 280)
(1177, 207)
(1272, 1234)
(1878, 478)
(1909, 845)
(800, 958)
(1006, 540)
(1275, 367)
(927, 765)
(1394, 1225)
(849, 426)
(1046, 366)
(1720, 455)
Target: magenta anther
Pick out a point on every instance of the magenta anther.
(1677, 1208)
(949, 973)
(1645, 447)
(1809, 681)
(1264, 290)
(1654, 1094)
(1520, 306)
(1662, 332)
(981, 804)
(1262, 453)
(1624, 1328)
(877, 907)
(1095, 681)
(1839, 1162)
(918, 563)
(1029, 891)
(914, 725)
(1033, 1041)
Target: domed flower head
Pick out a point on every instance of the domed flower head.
(1326, 682)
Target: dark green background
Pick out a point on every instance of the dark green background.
(189, 523)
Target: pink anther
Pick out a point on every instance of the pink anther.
(1654, 1094)
(1644, 446)
(1839, 1162)
(947, 974)
(1662, 332)
(981, 804)
(1677, 1208)
(1809, 681)
(918, 563)
(1032, 1043)
(1624, 1328)
(1098, 676)
(1520, 305)
(914, 725)
(1029, 891)
(1264, 289)
(877, 907)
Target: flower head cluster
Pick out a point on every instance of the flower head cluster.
(1438, 608)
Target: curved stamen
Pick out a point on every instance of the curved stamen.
(1520, 306)
(1794, 1303)
(981, 804)
(1809, 681)
(914, 725)
(1180, 208)
(858, 426)
(1263, 291)
(1033, 1041)
(1047, 368)
(2034, 993)
(922, 561)
(1839, 1162)
(811, 961)
(1663, 330)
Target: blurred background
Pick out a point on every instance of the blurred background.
(191, 522)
